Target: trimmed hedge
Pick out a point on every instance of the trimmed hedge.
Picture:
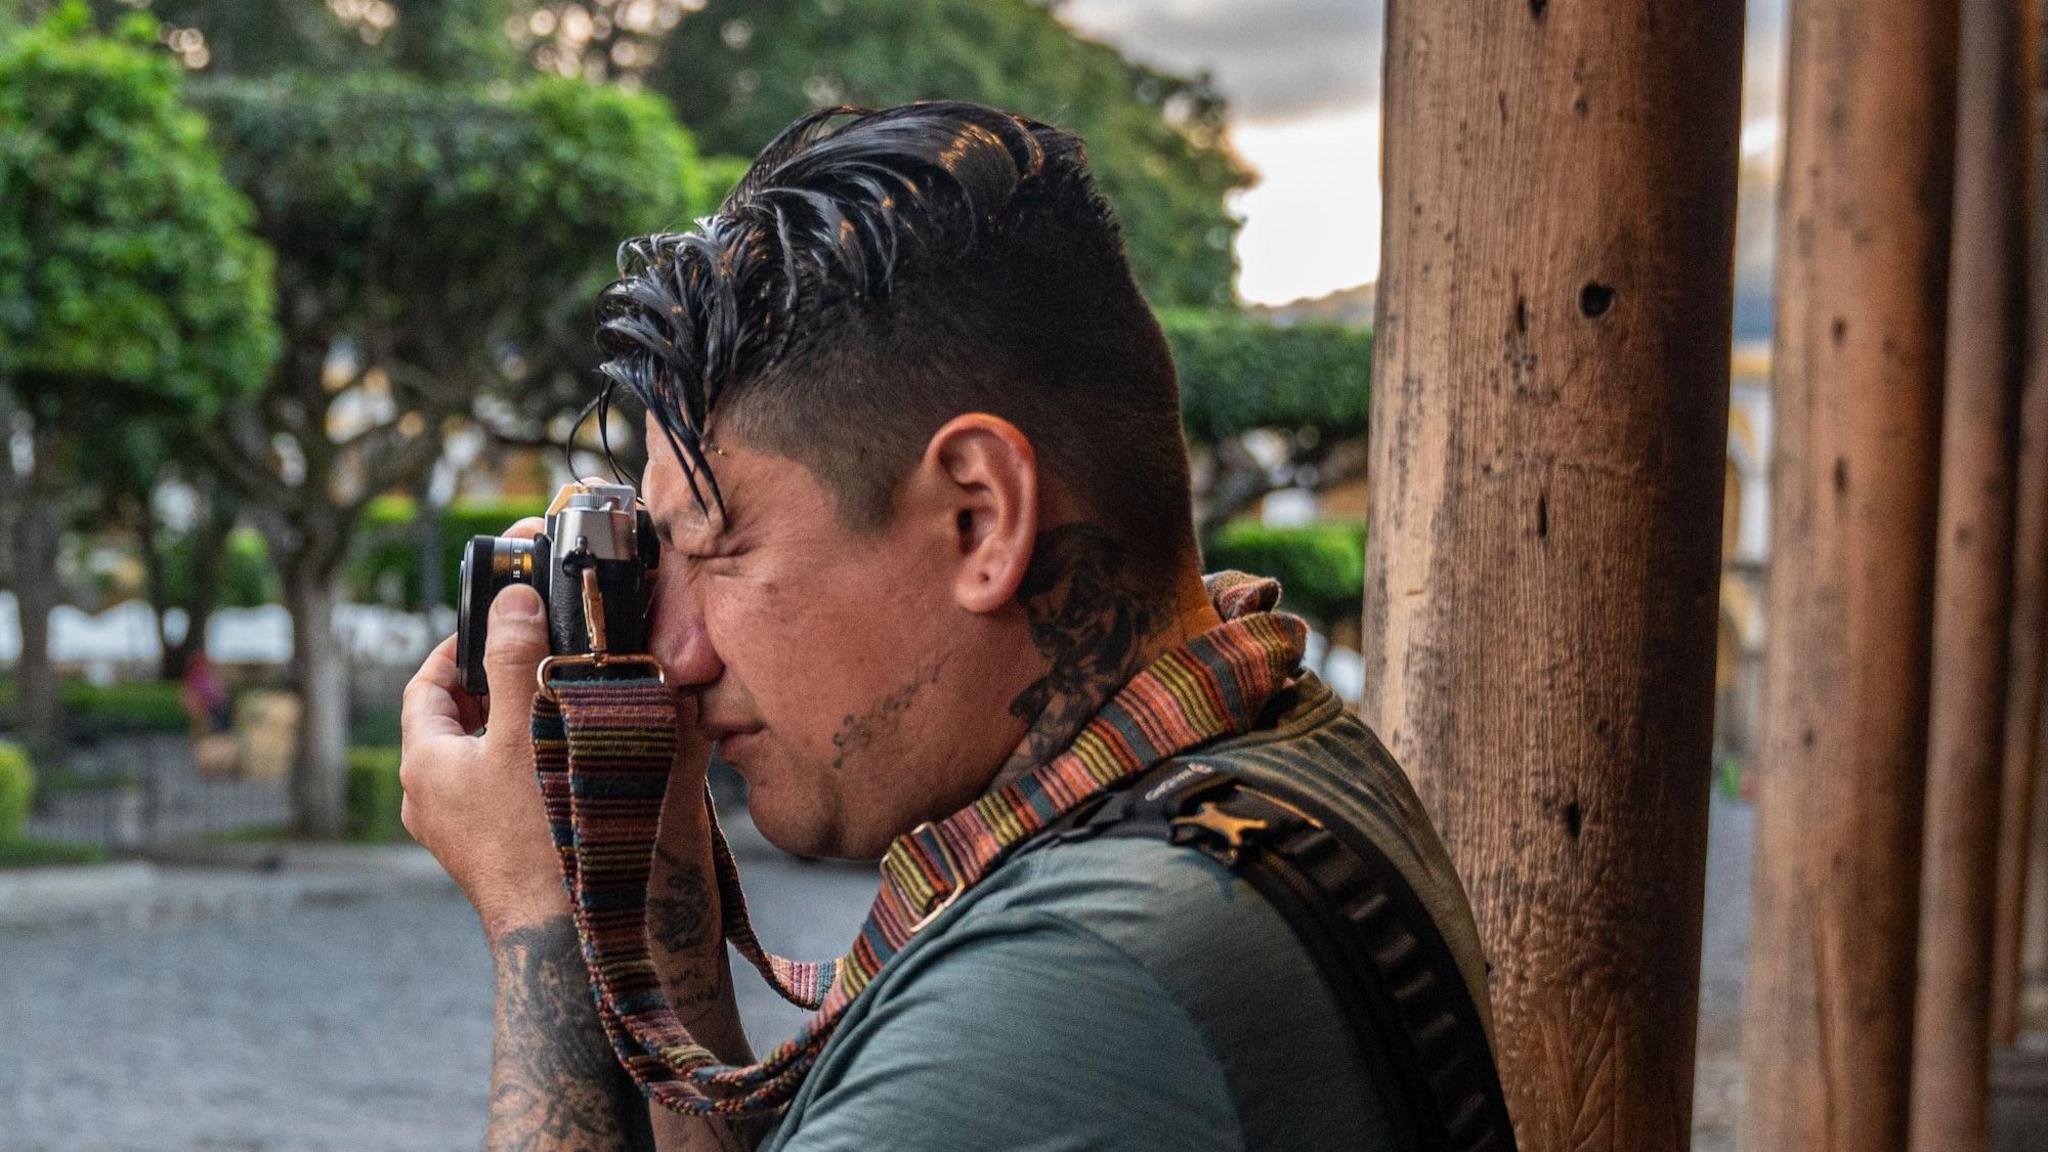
(124, 709)
(387, 565)
(17, 788)
(374, 795)
(93, 711)
(1321, 567)
(23, 852)
(1238, 373)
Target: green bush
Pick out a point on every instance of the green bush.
(1321, 567)
(93, 711)
(123, 709)
(386, 568)
(22, 852)
(373, 724)
(374, 795)
(17, 788)
(1238, 373)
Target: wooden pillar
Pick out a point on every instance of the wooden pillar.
(2034, 918)
(2024, 699)
(1972, 594)
(1862, 301)
(1549, 435)
(2034, 921)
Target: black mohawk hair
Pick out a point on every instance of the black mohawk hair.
(834, 210)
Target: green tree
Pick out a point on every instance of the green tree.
(131, 287)
(740, 70)
(189, 570)
(1268, 406)
(438, 248)
(454, 41)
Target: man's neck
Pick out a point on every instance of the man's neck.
(1096, 627)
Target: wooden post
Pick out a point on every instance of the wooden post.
(1862, 301)
(1549, 437)
(2024, 699)
(1951, 1105)
(2034, 920)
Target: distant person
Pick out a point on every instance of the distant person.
(204, 697)
(929, 558)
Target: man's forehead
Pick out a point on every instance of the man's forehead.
(666, 489)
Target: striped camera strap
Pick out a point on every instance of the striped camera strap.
(604, 750)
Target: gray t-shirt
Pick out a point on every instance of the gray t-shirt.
(1128, 994)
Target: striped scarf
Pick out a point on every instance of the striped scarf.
(604, 750)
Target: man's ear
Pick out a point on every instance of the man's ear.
(981, 473)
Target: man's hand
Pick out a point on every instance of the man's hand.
(471, 799)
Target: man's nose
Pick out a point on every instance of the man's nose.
(678, 636)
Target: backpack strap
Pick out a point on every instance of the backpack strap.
(1375, 942)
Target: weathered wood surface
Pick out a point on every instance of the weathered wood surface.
(1548, 445)
(2024, 717)
(1973, 581)
(1862, 299)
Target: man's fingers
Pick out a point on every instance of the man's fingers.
(526, 528)
(430, 706)
(514, 645)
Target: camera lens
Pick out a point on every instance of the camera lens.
(491, 563)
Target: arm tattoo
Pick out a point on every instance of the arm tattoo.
(681, 922)
(1090, 623)
(679, 917)
(555, 1084)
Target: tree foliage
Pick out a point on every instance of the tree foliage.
(135, 302)
(1238, 374)
(452, 238)
(1268, 406)
(740, 70)
(128, 271)
(438, 250)
(453, 41)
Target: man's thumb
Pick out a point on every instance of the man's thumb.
(514, 645)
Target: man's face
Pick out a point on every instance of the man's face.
(831, 665)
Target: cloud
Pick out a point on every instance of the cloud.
(1286, 59)
(1303, 80)
(1274, 60)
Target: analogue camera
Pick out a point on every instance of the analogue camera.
(593, 565)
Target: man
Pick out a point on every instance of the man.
(916, 462)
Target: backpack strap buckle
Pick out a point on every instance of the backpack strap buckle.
(1229, 833)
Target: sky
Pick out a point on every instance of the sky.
(1302, 78)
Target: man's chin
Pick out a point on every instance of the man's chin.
(796, 829)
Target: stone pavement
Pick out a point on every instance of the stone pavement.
(235, 880)
(342, 1000)
(1717, 1074)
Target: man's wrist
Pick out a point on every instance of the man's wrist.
(525, 905)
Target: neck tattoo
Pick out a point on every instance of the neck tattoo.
(1091, 623)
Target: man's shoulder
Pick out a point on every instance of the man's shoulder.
(1125, 992)
(1018, 1018)
(1139, 956)
(1315, 747)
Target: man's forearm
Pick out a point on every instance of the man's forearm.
(555, 1083)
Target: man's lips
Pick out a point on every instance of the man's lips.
(730, 740)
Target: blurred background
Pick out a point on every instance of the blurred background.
(294, 299)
